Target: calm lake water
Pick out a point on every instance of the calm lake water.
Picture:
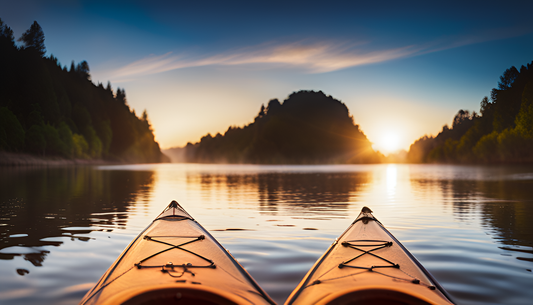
(470, 226)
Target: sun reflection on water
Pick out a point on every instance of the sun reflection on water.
(392, 180)
(276, 220)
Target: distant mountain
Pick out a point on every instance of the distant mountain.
(308, 128)
(49, 110)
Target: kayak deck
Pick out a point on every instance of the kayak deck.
(368, 264)
(176, 259)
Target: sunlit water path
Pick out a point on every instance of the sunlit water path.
(470, 226)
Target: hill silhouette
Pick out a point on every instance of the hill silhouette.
(49, 110)
(307, 128)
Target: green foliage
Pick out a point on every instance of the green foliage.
(511, 145)
(524, 120)
(66, 136)
(467, 143)
(54, 145)
(80, 146)
(35, 117)
(486, 146)
(503, 132)
(35, 140)
(11, 131)
(419, 149)
(94, 142)
(62, 112)
(104, 132)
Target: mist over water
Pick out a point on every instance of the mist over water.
(61, 228)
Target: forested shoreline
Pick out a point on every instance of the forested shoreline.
(501, 133)
(49, 110)
(307, 128)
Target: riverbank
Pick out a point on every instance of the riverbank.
(22, 159)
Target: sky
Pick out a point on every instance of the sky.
(403, 68)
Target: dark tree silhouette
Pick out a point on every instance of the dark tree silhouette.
(308, 128)
(83, 70)
(6, 33)
(503, 132)
(507, 79)
(47, 110)
(33, 38)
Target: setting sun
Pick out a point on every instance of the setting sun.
(389, 142)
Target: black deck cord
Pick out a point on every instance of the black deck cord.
(365, 219)
(173, 204)
(201, 237)
(382, 244)
(260, 290)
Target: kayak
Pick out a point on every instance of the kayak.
(176, 261)
(368, 265)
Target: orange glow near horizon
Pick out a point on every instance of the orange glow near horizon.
(186, 112)
(388, 142)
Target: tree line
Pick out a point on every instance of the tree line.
(501, 132)
(307, 128)
(50, 110)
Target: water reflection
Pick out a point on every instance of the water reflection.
(305, 193)
(501, 197)
(510, 215)
(42, 207)
(392, 178)
(468, 225)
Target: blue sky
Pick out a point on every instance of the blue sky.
(403, 68)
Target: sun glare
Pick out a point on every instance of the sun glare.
(389, 142)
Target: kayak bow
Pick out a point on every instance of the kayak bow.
(368, 265)
(176, 260)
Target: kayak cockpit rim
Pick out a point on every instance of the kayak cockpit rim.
(185, 293)
(374, 295)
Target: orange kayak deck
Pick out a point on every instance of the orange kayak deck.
(368, 265)
(176, 260)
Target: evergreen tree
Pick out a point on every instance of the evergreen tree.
(108, 88)
(502, 133)
(11, 131)
(121, 96)
(6, 33)
(33, 38)
(83, 70)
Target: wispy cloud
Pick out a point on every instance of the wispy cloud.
(318, 57)
(486, 35)
(314, 58)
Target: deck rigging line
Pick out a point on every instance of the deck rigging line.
(169, 267)
(377, 244)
